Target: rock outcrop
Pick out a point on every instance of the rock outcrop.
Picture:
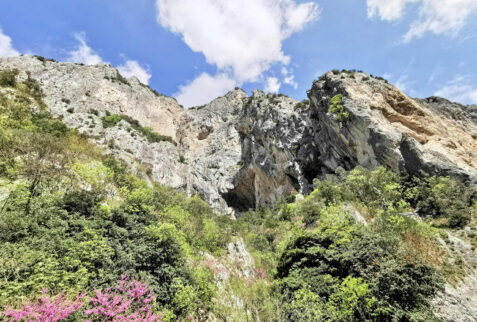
(241, 152)
(386, 127)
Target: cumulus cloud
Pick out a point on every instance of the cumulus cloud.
(388, 10)
(435, 16)
(6, 48)
(272, 85)
(242, 38)
(132, 68)
(86, 55)
(83, 53)
(459, 90)
(204, 88)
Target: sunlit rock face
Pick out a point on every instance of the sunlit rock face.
(386, 127)
(241, 151)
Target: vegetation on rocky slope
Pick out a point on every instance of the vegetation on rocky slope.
(355, 249)
(364, 245)
(74, 219)
(147, 132)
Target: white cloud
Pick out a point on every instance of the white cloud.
(86, 55)
(132, 68)
(245, 36)
(459, 90)
(204, 88)
(6, 48)
(83, 53)
(242, 38)
(289, 78)
(388, 10)
(272, 85)
(435, 16)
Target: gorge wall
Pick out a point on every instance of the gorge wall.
(241, 151)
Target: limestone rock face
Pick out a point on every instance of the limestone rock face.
(241, 152)
(94, 89)
(386, 127)
(271, 129)
(207, 152)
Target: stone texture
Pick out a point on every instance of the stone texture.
(385, 127)
(242, 152)
(458, 302)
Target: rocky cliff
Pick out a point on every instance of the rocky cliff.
(241, 151)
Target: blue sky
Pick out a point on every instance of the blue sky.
(197, 50)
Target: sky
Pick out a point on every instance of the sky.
(197, 50)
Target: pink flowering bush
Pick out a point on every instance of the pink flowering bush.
(46, 309)
(128, 301)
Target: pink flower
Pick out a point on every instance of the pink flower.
(129, 301)
(46, 309)
(261, 273)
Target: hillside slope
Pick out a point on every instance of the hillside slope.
(270, 144)
(357, 204)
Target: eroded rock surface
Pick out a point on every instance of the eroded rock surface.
(386, 127)
(242, 152)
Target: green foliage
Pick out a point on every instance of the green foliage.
(305, 306)
(351, 301)
(442, 197)
(147, 132)
(43, 59)
(74, 220)
(112, 120)
(303, 104)
(336, 108)
(118, 78)
(357, 278)
(185, 297)
(8, 77)
(380, 189)
(329, 267)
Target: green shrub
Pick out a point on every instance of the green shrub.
(147, 132)
(442, 197)
(43, 59)
(111, 120)
(8, 77)
(333, 269)
(303, 104)
(336, 108)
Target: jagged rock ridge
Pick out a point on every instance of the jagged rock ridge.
(241, 152)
